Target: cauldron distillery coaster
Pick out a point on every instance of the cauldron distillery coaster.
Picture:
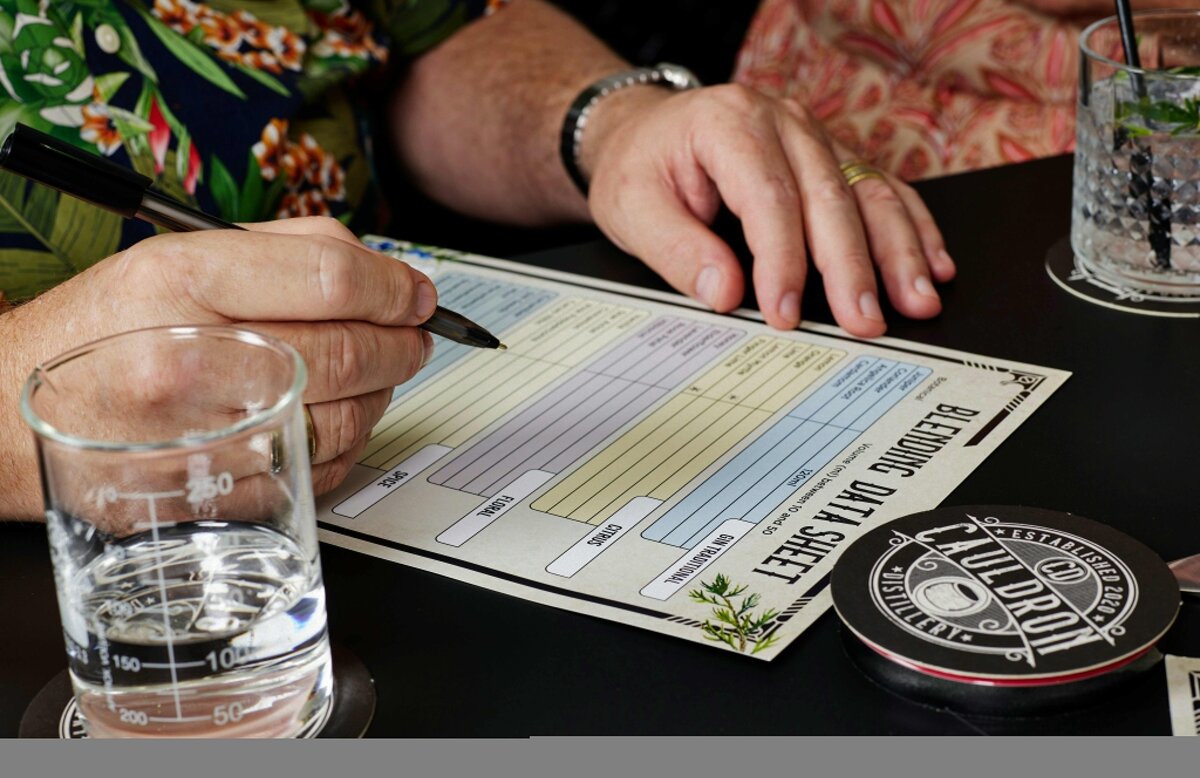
(1002, 609)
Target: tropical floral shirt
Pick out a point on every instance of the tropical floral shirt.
(240, 108)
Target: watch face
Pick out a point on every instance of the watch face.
(1004, 594)
(678, 76)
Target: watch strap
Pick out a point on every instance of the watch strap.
(663, 74)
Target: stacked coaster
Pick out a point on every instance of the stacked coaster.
(1001, 609)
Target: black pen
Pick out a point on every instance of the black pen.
(94, 179)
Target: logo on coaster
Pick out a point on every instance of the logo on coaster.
(1004, 592)
(1020, 591)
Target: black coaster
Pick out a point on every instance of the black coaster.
(53, 713)
(996, 701)
(1076, 278)
(1002, 608)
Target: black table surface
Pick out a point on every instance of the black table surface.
(1115, 444)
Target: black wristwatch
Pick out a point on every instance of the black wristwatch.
(663, 74)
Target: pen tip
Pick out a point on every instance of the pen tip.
(502, 347)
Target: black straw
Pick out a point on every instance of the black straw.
(1129, 43)
(1141, 159)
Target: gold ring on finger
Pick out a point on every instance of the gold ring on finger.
(311, 431)
(279, 447)
(856, 170)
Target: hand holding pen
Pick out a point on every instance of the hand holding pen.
(352, 313)
(96, 180)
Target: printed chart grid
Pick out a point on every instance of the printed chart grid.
(803, 442)
(693, 429)
(500, 304)
(590, 406)
(464, 400)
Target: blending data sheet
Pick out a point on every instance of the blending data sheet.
(634, 458)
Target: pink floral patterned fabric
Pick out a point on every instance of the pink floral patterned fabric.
(922, 87)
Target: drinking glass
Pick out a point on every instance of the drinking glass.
(1135, 218)
(182, 530)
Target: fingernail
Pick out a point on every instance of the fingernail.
(426, 299)
(868, 306)
(427, 342)
(706, 286)
(789, 308)
(942, 255)
(924, 287)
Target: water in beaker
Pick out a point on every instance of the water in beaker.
(180, 515)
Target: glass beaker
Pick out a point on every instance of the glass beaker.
(1135, 220)
(182, 530)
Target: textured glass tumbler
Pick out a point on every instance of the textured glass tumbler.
(182, 531)
(1135, 220)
